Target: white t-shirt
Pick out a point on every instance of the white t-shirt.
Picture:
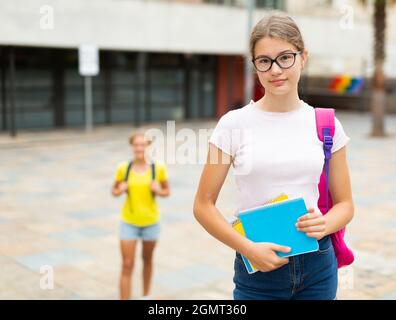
(274, 153)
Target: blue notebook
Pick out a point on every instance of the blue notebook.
(276, 223)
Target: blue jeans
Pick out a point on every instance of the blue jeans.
(310, 276)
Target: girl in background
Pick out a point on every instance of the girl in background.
(142, 181)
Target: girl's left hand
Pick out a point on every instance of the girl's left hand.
(312, 224)
(155, 188)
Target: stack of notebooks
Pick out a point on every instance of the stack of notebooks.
(275, 222)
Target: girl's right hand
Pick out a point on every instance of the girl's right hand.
(123, 187)
(263, 256)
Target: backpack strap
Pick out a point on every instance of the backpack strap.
(153, 174)
(153, 171)
(128, 171)
(325, 129)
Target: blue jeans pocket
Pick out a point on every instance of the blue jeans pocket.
(325, 245)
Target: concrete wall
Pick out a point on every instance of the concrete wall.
(123, 24)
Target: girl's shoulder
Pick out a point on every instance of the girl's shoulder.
(235, 117)
(159, 164)
(161, 172)
(123, 165)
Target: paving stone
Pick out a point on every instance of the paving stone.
(57, 210)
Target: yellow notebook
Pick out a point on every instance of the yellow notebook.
(237, 225)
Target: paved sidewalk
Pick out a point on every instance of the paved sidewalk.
(56, 210)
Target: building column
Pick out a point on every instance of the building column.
(143, 97)
(187, 86)
(107, 85)
(3, 67)
(58, 87)
(230, 84)
(11, 56)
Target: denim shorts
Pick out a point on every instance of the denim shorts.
(310, 276)
(131, 232)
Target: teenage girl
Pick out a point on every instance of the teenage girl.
(140, 216)
(273, 147)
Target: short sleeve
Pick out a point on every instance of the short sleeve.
(120, 172)
(162, 172)
(340, 138)
(223, 133)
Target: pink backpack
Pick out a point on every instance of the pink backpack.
(325, 128)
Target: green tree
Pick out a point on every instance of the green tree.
(378, 98)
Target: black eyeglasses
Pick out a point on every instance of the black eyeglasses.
(284, 61)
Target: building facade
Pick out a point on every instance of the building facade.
(159, 59)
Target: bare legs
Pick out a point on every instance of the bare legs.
(147, 255)
(128, 249)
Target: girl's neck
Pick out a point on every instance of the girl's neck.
(139, 162)
(283, 103)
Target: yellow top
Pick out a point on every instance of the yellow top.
(140, 207)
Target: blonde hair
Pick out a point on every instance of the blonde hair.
(135, 134)
(277, 25)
